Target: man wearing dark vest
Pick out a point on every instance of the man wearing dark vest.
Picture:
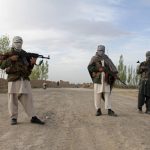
(101, 69)
(144, 86)
(19, 88)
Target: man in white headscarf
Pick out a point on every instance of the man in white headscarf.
(19, 88)
(101, 69)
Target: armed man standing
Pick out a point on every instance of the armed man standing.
(144, 86)
(101, 69)
(19, 88)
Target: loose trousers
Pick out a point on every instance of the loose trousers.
(98, 98)
(25, 100)
(20, 90)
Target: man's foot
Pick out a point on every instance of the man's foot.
(111, 113)
(37, 120)
(140, 110)
(147, 112)
(98, 113)
(13, 121)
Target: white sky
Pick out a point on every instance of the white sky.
(70, 30)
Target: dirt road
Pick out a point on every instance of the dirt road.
(71, 123)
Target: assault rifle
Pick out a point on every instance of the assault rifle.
(144, 67)
(24, 56)
(35, 55)
(111, 73)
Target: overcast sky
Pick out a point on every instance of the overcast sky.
(70, 30)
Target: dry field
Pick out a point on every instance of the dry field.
(71, 123)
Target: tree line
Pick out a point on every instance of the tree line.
(127, 74)
(38, 73)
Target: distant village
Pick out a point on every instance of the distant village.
(50, 84)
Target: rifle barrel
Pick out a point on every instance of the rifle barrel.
(41, 56)
(122, 82)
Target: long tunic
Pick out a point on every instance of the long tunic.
(19, 87)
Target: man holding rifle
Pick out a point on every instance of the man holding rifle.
(19, 68)
(103, 73)
(144, 87)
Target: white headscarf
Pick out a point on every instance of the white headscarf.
(148, 56)
(17, 43)
(101, 50)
